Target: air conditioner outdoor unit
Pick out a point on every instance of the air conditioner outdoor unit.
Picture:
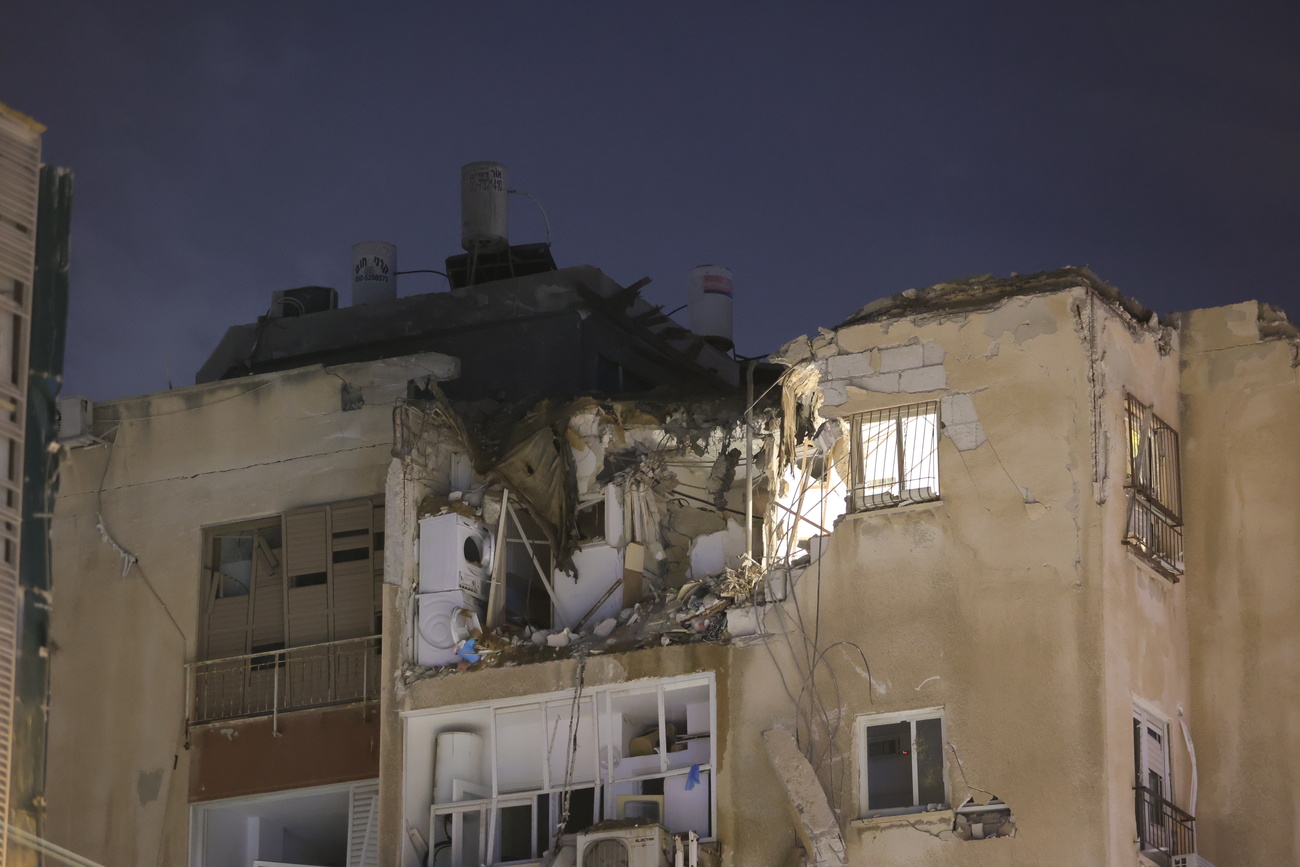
(455, 553)
(631, 846)
(1189, 861)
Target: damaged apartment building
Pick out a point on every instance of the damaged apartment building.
(1000, 571)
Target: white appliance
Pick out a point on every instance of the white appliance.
(442, 620)
(637, 846)
(455, 554)
(74, 419)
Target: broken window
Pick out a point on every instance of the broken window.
(1154, 526)
(308, 579)
(895, 454)
(529, 566)
(900, 758)
(508, 776)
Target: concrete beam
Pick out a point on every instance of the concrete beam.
(814, 820)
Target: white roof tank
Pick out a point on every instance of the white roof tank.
(483, 217)
(708, 296)
(374, 272)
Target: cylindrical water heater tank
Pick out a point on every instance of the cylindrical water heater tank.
(483, 218)
(457, 756)
(374, 272)
(709, 299)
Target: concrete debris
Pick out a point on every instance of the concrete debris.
(814, 820)
(605, 627)
(560, 639)
(981, 821)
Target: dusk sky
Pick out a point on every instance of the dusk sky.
(828, 153)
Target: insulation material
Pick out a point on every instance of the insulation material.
(714, 553)
(589, 594)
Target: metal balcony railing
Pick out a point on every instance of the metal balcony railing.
(1163, 830)
(1153, 535)
(275, 681)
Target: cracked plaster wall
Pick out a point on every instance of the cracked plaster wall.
(180, 461)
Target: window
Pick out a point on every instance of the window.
(896, 456)
(1163, 829)
(900, 759)
(1154, 527)
(518, 769)
(290, 610)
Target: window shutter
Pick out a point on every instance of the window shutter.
(307, 572)
(352, 574)
(268, 595)
(363, 825)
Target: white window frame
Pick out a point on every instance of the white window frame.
(891, 473)
(420, 730)
(865, 721)
(363, 800)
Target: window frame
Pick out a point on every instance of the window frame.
(597, 766)
(331, 546)
(868, 721)
(915, 481)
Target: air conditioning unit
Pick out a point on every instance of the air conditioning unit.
(630, 846)
(1189, 861)
(74, 419)
(455, 553)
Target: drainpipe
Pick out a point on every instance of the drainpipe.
(1191, 752)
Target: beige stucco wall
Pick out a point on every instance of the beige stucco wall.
(1011, 602)
(178, 461)
(1241, 414)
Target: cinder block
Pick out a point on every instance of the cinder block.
(849, 366)
(834, 392)
(886, 383)
(901, 357)
(931, 353)
(965, 436)
(957, 409)
(932, 378)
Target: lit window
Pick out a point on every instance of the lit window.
(1154, 527)
(896, 456)
(900, 758)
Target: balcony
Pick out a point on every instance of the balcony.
(1164, 831)
(276, 681)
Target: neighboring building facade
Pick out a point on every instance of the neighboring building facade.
(1021, 588)
(20, 167)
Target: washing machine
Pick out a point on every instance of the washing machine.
(455, 553)
(442, 620)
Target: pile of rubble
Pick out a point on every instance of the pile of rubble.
(716, 609)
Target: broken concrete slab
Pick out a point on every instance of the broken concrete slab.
(814, 820)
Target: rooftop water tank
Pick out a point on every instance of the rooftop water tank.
(709, 299)
(374, 272)
(483, 218)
